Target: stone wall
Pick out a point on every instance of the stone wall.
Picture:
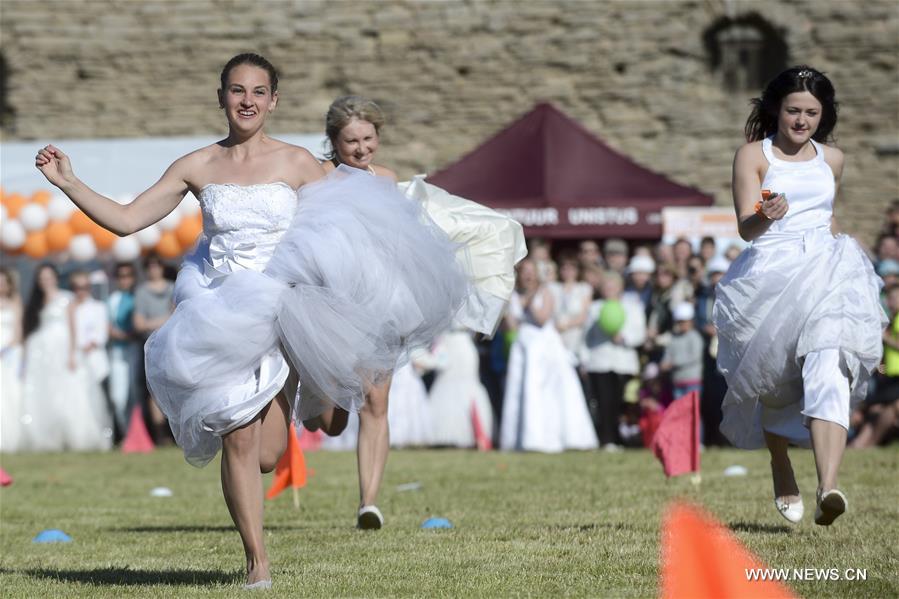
(451, 73)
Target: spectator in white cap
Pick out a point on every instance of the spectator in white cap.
(639, 276)
(683, 355)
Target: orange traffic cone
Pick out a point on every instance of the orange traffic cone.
(481, 437)
(290, 470)
(138, 439)
(701, 558)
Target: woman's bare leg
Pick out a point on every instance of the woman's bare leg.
(332, 422)
(246, 453)
(785, 486)
(275, 429)
(242, 487)
(828, 444)
(374, 443)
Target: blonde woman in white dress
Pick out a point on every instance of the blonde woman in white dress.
(543, 407)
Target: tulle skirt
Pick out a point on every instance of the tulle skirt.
(361, 276)
(784, 297)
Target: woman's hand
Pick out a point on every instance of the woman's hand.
(775, 207)
(55, 166)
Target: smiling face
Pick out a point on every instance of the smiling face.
(357, 143)
(799, 117)
(247, 98)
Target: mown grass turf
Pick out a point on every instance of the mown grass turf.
(581, 524)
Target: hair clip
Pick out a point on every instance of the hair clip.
(805, 74)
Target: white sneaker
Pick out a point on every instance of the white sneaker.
(791, 511)
(262, 585)
(369, 518)
(831, 505)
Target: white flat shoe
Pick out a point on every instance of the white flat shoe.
(262, 585)
(369, 518)
(791, 511)
(831, 505)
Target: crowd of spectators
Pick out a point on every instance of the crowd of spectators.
(664, 348)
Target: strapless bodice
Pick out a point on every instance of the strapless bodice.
(242, 224)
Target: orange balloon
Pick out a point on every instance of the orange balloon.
(58, 236)
(103, 238)
(41, 197)
(36, 245)
(81, 223)
(168, 246)
(14, 203)
(187, 231)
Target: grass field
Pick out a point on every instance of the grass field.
(582, 524)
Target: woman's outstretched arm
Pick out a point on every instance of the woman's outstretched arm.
(122, 219)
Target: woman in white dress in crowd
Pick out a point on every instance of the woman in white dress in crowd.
(544, 407)
(460, 410)
(341, 282)
(90, 322)
(60, 399)
(10, 362)
(572, 300)
(798, 315)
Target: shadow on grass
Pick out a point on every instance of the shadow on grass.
(129, 577)
(755, 527)
(196, 529)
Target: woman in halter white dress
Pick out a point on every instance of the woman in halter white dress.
(798, 316)
(277, 277)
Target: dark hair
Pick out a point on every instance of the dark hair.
(32, 316)
(153, 258)
(255, 60)
(762, 122)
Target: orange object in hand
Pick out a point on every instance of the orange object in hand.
(766, 194)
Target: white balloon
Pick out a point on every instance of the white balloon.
(3, 214)
(82, 248)
(126, 249)
(33, 217)
(60, 208)
(171, 220)
(149, 237)
(12, 234)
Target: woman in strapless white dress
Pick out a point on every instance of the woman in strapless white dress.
(798, 316)
(279, 292)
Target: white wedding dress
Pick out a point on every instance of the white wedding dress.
(798, 315)
(544, 408)
(332, 289)
(62, 408)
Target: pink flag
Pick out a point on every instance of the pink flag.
(138, 439)
(676, 442)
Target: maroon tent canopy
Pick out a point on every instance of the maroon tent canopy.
(559, 181)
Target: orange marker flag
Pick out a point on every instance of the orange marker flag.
(676, 441)
(291, 469)
(701, 558)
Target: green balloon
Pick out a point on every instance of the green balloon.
(509, 337)
(611, 317)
